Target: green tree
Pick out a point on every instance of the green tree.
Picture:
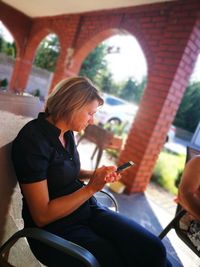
(10, 49)
(47, 53)
(140, 90)
(128, 90)
(95, 63)
(107, 83)
(132, 90)
(1, 43)
(6, 47)
(188, 115)
(1, 40)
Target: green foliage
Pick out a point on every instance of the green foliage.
(37, 92)
(188, 115)
(131, 90)
(95, 67)
(10, 49)
(3, 84)
(107, 84)
(6, 47)
(112, 154)
(167, 170)
(1, 43)
(140, 90)
(95, 63)
(118, 129)
(178, 178)
(47, 53)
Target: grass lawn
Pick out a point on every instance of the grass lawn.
(167, 169)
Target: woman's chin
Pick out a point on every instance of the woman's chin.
(83, 128)
(80, 129)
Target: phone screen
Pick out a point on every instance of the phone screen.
(125, 166)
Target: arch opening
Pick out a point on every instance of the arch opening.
(8, 53)
(43, 66)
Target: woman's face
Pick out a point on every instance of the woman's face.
(84, 116)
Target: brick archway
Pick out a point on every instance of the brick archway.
(168, 33)
(83, 51)
(24, 62)
(34, 45)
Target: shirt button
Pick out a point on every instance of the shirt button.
(71, 158)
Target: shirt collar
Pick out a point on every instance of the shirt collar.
(51, 131)
(46, 126)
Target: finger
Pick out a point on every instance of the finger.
(111, 168)
(118, 177)
(109, 180)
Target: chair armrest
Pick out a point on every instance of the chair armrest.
(172, 224)
(112, 199)
(54, 241)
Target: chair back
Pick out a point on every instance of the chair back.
(7, 186)
(10, 194)
(191, 153)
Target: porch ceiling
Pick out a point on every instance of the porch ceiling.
(38, 8)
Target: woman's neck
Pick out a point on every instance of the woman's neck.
(60, 124)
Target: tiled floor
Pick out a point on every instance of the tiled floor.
(153, 210)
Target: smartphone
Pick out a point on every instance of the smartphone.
(125, 166)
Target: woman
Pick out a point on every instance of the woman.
(189, 199)
(54, 198)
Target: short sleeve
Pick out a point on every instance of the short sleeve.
(30, 155)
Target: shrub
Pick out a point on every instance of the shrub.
(167, 169)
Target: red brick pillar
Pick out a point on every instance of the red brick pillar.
(68, 38)
(20, 74)
(168, 78)
(63, 64)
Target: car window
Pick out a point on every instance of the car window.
(113, 101)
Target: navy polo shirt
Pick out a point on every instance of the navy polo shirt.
(38, 154)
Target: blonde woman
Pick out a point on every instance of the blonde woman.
(54, 198)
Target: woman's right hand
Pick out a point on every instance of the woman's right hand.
(103, 175)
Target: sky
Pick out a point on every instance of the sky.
(128, 62)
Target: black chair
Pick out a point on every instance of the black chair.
(56, 242)
(180, 212)
(51, 240)
(7, 184)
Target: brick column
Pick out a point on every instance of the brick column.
(20, 74)
(68, 38)
(62, 68)
(168, 78)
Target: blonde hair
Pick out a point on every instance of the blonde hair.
(69, 95)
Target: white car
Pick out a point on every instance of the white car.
(116, 111)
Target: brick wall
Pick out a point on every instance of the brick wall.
(169, 36)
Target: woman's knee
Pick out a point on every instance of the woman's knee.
(157, 247)
(157, 252)
(106, 253)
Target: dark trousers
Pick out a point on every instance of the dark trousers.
(113, 239)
